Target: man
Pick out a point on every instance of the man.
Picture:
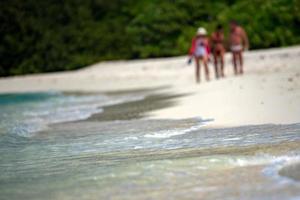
(217, 43)
(238, 43)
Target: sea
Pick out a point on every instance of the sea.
(53, 147)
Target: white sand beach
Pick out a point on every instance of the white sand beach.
(268, 92)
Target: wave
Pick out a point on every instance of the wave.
(277, 164)
(176, 132)
(28, 113)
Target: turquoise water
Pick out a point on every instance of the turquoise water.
(27, 113)
(45, 154)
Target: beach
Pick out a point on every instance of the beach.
(269, 92)
(145, 130)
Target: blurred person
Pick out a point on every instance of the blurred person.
(200, 50)
(238, 41)
(218, 50)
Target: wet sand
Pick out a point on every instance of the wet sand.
(135, 109)
(292, 171)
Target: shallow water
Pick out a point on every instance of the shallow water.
(136, 159)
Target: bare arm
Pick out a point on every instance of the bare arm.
(245, 39)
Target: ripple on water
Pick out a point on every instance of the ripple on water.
(142, 158)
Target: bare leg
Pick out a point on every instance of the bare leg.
(216, 65)
(206, 69)
(241, 70)
(197, 72)
(234, 59)
(222, 64)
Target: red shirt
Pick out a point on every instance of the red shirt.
(194, 44)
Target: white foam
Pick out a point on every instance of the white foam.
(36, 116)
(232, 139)
(273, 164)
(175, 132)
(277, 164)
(131, 138)
(264, 160)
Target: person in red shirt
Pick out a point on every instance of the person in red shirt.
(200, 50)
(217, 43)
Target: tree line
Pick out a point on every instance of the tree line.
(55, 35)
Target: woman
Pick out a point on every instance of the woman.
(200, 51)
(217, 42)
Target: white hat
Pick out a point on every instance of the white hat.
(201, 31)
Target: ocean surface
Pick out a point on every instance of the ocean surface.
(49, 149)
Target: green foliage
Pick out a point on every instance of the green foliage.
(52, 35)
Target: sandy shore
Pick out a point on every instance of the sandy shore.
(269, 92)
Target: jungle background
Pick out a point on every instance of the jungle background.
(55, 35)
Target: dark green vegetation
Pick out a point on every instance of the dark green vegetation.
(50, 35)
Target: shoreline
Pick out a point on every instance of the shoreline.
(268, 92)
(135, 109)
